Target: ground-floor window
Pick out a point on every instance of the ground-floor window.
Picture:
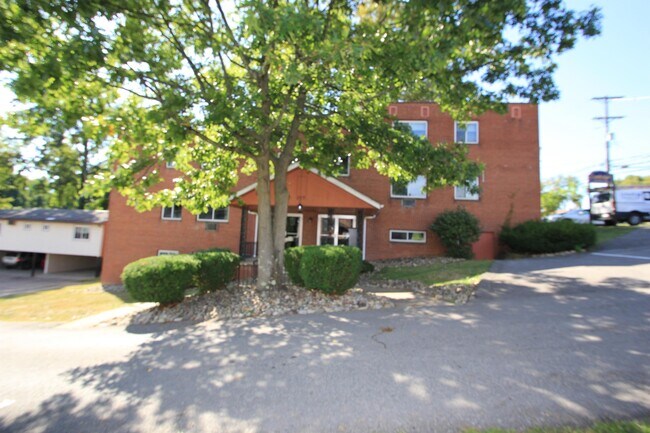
(411, 236)
(167, 252)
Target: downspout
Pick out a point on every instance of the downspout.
(365, 232)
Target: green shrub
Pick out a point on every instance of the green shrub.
(330, 269)
(292, 258)
(366, 267)
(540, 237)
(162, 279)
(457, 230)
(216, 269)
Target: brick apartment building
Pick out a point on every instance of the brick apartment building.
(359, 207)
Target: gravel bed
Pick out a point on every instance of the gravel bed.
(246, 300)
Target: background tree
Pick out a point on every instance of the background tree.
(10, 160)
(633, 180)
(560, 191)
(261, 84)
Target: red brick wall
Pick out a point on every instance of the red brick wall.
(508, 146)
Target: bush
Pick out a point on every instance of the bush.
(216, 269)
(366, 267)
(162, 279)
(457, 230)
(540, 237)
(292, 258)
(327, 268)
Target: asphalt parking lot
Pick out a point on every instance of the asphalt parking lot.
(18, 281)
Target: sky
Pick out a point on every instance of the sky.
(616, 63)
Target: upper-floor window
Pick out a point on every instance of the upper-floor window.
(81, 233)
(172, 213)
(170, 164)
(464, 193)
(343, 163)
(466, 132)
(214, 215)
(413, 189)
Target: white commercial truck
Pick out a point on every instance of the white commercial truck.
(613, 204)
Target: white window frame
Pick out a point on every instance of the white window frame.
(467, 196)
(409, 234)
(163, 217)
(420, 122)
(346, 172)
(473, 122)
(422, 196)
(336, 218)
(167, 252)
(81, 230)
(215, 220)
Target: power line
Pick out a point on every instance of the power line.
(606, 119)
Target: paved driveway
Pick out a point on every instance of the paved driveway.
(548, 341)
(18, 281)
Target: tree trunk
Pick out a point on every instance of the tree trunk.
(265, 237)
(280, 211)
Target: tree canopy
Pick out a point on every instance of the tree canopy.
(560, 191)
(217, 85)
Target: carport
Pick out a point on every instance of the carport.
(70, 239)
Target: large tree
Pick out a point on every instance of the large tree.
(221, 85)
(559, 191)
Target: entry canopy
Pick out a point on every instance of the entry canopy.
(311, 189)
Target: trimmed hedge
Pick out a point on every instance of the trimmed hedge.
(330, 269)
(216, 269)
(162, 279)
(540, 237)
(458, 230)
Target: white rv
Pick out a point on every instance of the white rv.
(630, 203)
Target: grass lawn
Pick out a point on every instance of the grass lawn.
(61, 305)
(605, 233)
(605, 427)
(465, 272)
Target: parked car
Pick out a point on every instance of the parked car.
(580, 216)
(13, 260)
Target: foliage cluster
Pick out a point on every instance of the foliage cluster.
(540, 237)
(457, 230)
(559, 191)
(165, 279)
(330, 269)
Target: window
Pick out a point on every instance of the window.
(167, 252)
(170, 164)
(410, 236)
(464, 193)
(466, 132)
(646, 195)
(418, 127)
(220, 214)
(46, 228)
(343, 162)
(81, 233)
(27, 227)
(172, 213)
(413, 189)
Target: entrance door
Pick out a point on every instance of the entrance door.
(294, 231)
(335, 229)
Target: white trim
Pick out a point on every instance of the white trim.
(336, 217)
(330, 179)
(466, 123)
(365, 234)
(215, 220)
(162, 213)
(257, 227)
(167, 252)
(407, 241)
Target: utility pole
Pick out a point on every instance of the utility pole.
(606, 119)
